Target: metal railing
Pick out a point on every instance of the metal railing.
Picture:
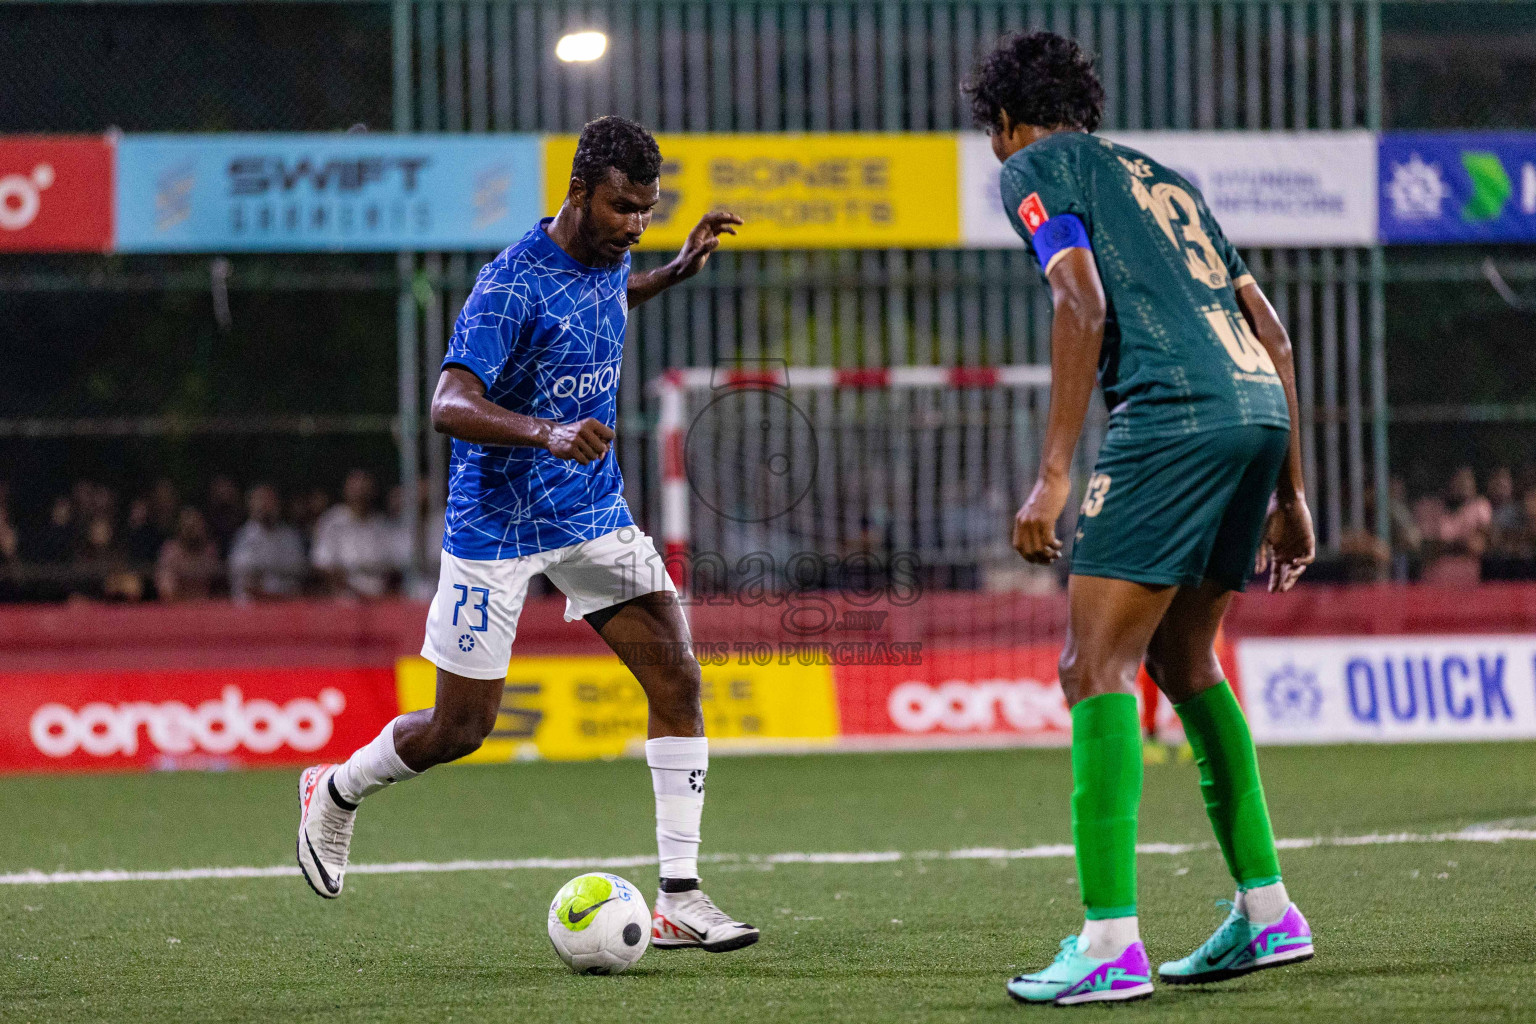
(896, 65)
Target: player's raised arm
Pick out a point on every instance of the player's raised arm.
(702, 240)
(1077, 333)
(460, 409)
(1288, 546)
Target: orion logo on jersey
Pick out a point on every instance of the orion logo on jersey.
(584, 385)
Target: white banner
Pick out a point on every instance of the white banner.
(1389, 689)
(1265, 188)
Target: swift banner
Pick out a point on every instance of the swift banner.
(1390, 689)
(55, 194)
(303, 193)
(847, 190)
(1265, 188)
(1458, 187)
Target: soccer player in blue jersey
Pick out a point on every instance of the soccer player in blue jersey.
(528, 393)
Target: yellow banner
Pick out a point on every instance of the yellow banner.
(589, 707)
(847, 190)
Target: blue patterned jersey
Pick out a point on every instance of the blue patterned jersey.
(546, 335)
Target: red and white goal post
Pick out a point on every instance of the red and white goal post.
(969, 431)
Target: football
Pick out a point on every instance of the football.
(599, 924)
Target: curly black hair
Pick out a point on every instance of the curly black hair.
(617, 142)
(1040, 79)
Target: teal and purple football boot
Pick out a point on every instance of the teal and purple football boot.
(1075, 977)
(1241, 947)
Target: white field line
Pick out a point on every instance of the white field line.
(1054, 851)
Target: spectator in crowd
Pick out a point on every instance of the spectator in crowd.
(355, 547)
(1526, 547)
(100, 568)
(189, 564)
(430, 538)
(1507, 522)
(266, 559)
(1460, 532)
(141, 540)
(164, 507)
(225, 512)
(10, 541)
(55, 543)
(304, 511)
(1469, 516)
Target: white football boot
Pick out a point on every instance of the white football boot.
(325, 831)
(690, 920)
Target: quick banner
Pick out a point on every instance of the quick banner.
(1458, 187)
(214, 718)
(846, 190)
(1265, 188)
(1390, 689)
(328, 193)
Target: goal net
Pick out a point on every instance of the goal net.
(799, 476)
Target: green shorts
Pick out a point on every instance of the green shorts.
(1179, 510)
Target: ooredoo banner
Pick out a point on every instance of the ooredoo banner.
(216, 718)
(55, 194)
(1000, 694)
(1265, 188)
(1390, 689)
(300, 193)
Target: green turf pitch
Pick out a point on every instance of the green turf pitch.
(1427, 932)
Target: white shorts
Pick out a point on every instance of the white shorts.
(475, 610)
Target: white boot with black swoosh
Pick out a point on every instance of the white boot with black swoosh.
(690, 920)
(325, 830)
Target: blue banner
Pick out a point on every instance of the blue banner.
(325, 193)
(1389, 689)
(1458, 187)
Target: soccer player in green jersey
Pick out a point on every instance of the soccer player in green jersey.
(1200, 471)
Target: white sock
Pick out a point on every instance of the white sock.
(1264, 904)
(1108, 937)
(372, 767)
(678, 766)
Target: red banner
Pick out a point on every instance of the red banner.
(216, 718)
(1008, 693)
(55, 194)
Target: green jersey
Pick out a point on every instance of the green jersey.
(1178, 357)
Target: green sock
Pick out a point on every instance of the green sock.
(1106, 792)
(1229, 781)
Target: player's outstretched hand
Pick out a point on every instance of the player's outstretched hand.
(585, 442)
(1289, 546)
(1034, 526)
(703, 240)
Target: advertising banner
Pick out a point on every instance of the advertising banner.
(1265, 188)
(333, 193)
(1458, 187)
(573, 708)
(215, 718)
(846, 190)
(1390, 689)
(953, 695)
(55, 194)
